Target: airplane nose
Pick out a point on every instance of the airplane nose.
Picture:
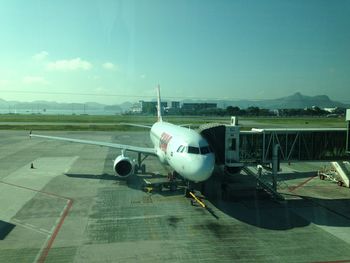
(205, 168)
(208, 167)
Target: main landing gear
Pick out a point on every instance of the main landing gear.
(140, 167)
(160, 183)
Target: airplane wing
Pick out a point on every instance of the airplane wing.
(136, 125)
(187, 125)
(145, 150)
(149, 126)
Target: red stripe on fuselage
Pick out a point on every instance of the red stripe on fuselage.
(164, 140)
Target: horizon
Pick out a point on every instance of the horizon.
(206, 50)
(170, 99)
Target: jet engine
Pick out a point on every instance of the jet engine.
(123, 166)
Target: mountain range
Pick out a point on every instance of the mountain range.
(297, 100)
(40, 105)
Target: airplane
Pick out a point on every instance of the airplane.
(183, 149)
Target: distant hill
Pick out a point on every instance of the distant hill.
(297, 100)
(125, 106)
(41, 106)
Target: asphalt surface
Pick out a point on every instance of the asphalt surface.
(71, 208)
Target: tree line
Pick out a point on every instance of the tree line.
(250, 111)
(256, 111)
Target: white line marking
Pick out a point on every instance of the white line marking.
(45, 230)
(53, 228)
(31, 227)
(51, 231)
(41, 249)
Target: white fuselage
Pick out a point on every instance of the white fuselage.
(185, 150)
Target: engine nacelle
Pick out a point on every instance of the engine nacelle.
(123, 166)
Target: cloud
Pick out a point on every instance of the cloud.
(69, 65)
(109, 66)
(41, 55)
(34, 80)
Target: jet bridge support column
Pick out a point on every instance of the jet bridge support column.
(348, 131)
(275, 166)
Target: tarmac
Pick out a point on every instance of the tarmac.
(71, 208)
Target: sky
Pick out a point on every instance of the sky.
(115, 51)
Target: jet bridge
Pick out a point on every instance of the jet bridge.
(234, 148)
(224, 140)
(296, 144)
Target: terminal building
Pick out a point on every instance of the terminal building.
(198, 106)
(151, 106)
(175, 104)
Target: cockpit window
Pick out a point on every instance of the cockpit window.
(205, 150)
(194, 150)
(181, 149)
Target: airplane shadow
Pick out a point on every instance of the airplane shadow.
(274, 215)
(93, 176)
(254, 206)
(5, 229)
(266, 214)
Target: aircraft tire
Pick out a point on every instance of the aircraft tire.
(143, 168)
(173, 187)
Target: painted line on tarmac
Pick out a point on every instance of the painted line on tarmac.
(293, 188)
(41, 249)
(35, 190)
(43, 253)
(31, 227)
